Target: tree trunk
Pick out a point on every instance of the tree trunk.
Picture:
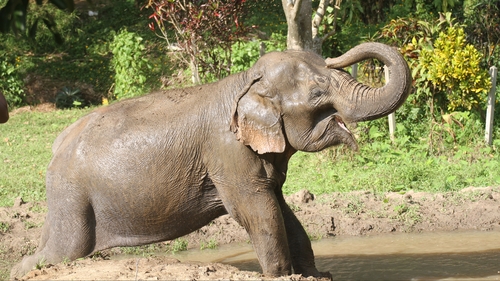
(195, 72)
(318, 17)
(303, 33)
(298, 18)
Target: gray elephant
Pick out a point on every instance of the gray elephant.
(160, 166)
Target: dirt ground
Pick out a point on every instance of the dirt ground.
(337, 214)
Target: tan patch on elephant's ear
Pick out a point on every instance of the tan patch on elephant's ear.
(259, 125)
(261, 139)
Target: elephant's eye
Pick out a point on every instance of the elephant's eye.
(316, 92)
(315, 95)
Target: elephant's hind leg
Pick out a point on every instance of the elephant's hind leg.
(67, 234)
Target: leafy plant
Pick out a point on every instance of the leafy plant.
(211, 244)
(178, 245)
(482, 28)
(4, 227)
(453, 68)
(129, 64)
(68, 98)
(29, 225)
(11, 83)
(408, 213)
(41, 264)
(245, 54)
(203, 30)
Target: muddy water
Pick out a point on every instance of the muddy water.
(429, 256)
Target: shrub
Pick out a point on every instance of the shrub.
(11, 84)
(245, 54)
(482, 28)
(129, 64)
(453, 68)
(68, 98)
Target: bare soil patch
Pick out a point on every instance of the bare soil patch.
(336, 214)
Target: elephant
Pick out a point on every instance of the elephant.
(157, 167)
(4, 110)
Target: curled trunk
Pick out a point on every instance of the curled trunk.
(358, 102)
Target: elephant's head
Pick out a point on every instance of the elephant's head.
(297, 98)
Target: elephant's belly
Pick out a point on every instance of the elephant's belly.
(154, 220)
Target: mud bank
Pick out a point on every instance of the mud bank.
(336, 214)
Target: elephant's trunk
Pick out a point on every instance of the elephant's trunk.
(357, 102)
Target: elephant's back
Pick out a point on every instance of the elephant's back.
(124, 121)
(130, 136)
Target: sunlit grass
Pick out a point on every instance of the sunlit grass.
(382, 167)
(25, 151)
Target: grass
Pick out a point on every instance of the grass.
(211, 244)
(25, 152)
(382, 167)
(26, 140)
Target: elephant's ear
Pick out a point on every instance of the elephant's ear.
(258, 123)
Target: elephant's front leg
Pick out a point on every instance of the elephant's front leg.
(258, 211)
(300, 246)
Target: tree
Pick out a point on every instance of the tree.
(205, 30)
(483, 29)
(304, 33)
(14, 14)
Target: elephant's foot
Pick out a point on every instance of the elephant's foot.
(26, 265)
(326, 274)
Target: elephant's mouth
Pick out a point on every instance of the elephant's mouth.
(341, 123)
(345, 135)
(329, 130)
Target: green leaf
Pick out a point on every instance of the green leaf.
(451, 179)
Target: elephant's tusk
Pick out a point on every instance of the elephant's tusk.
(341, 123)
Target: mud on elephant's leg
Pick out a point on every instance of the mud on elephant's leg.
(300, 246)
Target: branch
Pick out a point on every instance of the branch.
(336, 9)
(295, 8)
(318, 17)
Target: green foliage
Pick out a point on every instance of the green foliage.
(84, 60)
(453, 68)
(11, 84)
(145, 250)
(450, 83)
(266, 15)
(245, 54)
(211, 244)
(382, 166)
(482, 28)
(129, 64)
(42, 263)
(51, 28)
(351, 10)
(68, 98)
(178, 245)
(204, 32)
(4, 227)
(408, 213)
(15, 16)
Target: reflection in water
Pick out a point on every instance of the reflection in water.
(481, 265)
(471, 255)
(430, 256)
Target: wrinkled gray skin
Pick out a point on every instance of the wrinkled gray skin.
(160, 166)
